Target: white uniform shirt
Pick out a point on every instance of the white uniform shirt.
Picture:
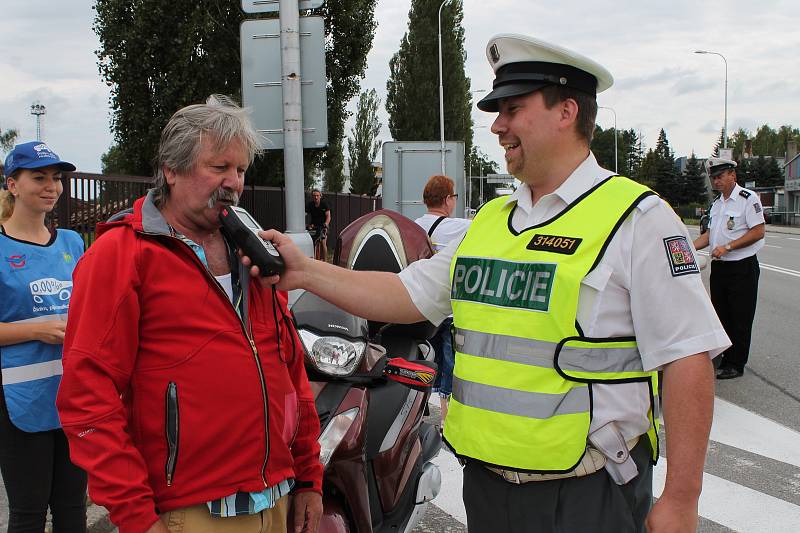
(632, 291)
(448, 229)
(746, 213)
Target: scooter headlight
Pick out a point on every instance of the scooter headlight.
(333, 355)
(334, 433)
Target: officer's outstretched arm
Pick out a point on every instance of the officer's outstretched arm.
(379, 296)
(702, 241)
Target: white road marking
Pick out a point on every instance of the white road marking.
(748, 431)
(724, 502)
(792, 239)
(772, 246)
(737, 507)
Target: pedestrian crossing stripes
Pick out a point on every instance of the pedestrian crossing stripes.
(751, 481)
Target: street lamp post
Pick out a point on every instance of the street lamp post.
(38, 110)
(725, 123)
(616, 166)
(441, 86)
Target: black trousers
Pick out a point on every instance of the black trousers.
(38, 474)
(734, 292)
(592, 503)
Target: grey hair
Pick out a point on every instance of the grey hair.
(220, 118)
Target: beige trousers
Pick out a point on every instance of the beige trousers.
(198, 519)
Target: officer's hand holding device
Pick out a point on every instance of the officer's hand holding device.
(239, 226)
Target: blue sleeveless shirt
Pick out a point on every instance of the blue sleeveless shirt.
(35, 286)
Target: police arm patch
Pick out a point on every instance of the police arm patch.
(757, 207)
(680, 256)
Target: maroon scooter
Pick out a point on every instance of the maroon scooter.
(372, 382)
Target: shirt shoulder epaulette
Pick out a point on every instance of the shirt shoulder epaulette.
(744, 194)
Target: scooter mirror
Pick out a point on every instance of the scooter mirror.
(417, 375)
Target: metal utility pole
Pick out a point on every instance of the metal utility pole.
(616, 165)
(292, 116)
(725, 123)
(441, 86)
(38, 110)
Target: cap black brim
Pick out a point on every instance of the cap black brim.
(491, 101)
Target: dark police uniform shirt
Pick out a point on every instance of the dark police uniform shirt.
(732, 218)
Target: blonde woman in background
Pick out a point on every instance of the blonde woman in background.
(36, 284)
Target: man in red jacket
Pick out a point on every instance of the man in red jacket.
(184, 394)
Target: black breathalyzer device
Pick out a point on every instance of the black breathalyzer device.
(239, 226)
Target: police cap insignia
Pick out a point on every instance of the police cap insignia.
(680, 256)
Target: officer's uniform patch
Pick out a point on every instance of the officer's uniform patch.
(757, 207)
(680, 256)
(744, 194)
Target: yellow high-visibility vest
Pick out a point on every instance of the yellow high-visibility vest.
(522, 383)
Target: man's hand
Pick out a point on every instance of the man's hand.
(669, 515)
(51, 331)
(294, 259)
(718, 252)
(306, 510)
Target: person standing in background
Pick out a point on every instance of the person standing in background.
(320, 215)
(440, 199)
(735, 235)
(36, 286)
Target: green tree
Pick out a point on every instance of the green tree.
(7, 139)
(412, 90)
(667, 182)
(349, 31)
(648, 169)
(478, 165)
(719, 143)
(694, 183)
(603, 146)
(112, 162)
(364, 144)
(160, 56)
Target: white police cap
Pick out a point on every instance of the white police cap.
(717, 165)
(523, 64)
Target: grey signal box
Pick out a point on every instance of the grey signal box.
(261, 80)
(407, 165)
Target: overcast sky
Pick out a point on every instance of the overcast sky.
(47, 55)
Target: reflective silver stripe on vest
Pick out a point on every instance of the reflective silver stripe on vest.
(505, 348)
(520, 403)
(21, 374)
(598, 359)
(540, 353)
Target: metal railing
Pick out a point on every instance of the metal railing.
(91, 198)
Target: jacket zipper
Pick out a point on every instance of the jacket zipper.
(253, 348)
(172, 430)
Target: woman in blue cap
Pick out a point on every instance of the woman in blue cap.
(36, 284)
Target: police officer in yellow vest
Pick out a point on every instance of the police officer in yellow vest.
(568, 297)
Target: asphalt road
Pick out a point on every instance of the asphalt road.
(752, 480)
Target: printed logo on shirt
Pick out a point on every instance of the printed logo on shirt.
(50, 287)
(680, 256)
(757, 207)
(67, 257)
(554, 244)
(16, 261)
(503, 283)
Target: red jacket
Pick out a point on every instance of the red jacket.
(146, 316)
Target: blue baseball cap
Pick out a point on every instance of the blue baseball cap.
(34, 154)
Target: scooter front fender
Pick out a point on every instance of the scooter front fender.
(334, 518)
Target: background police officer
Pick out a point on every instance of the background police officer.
(736, 233)
(643, 285)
